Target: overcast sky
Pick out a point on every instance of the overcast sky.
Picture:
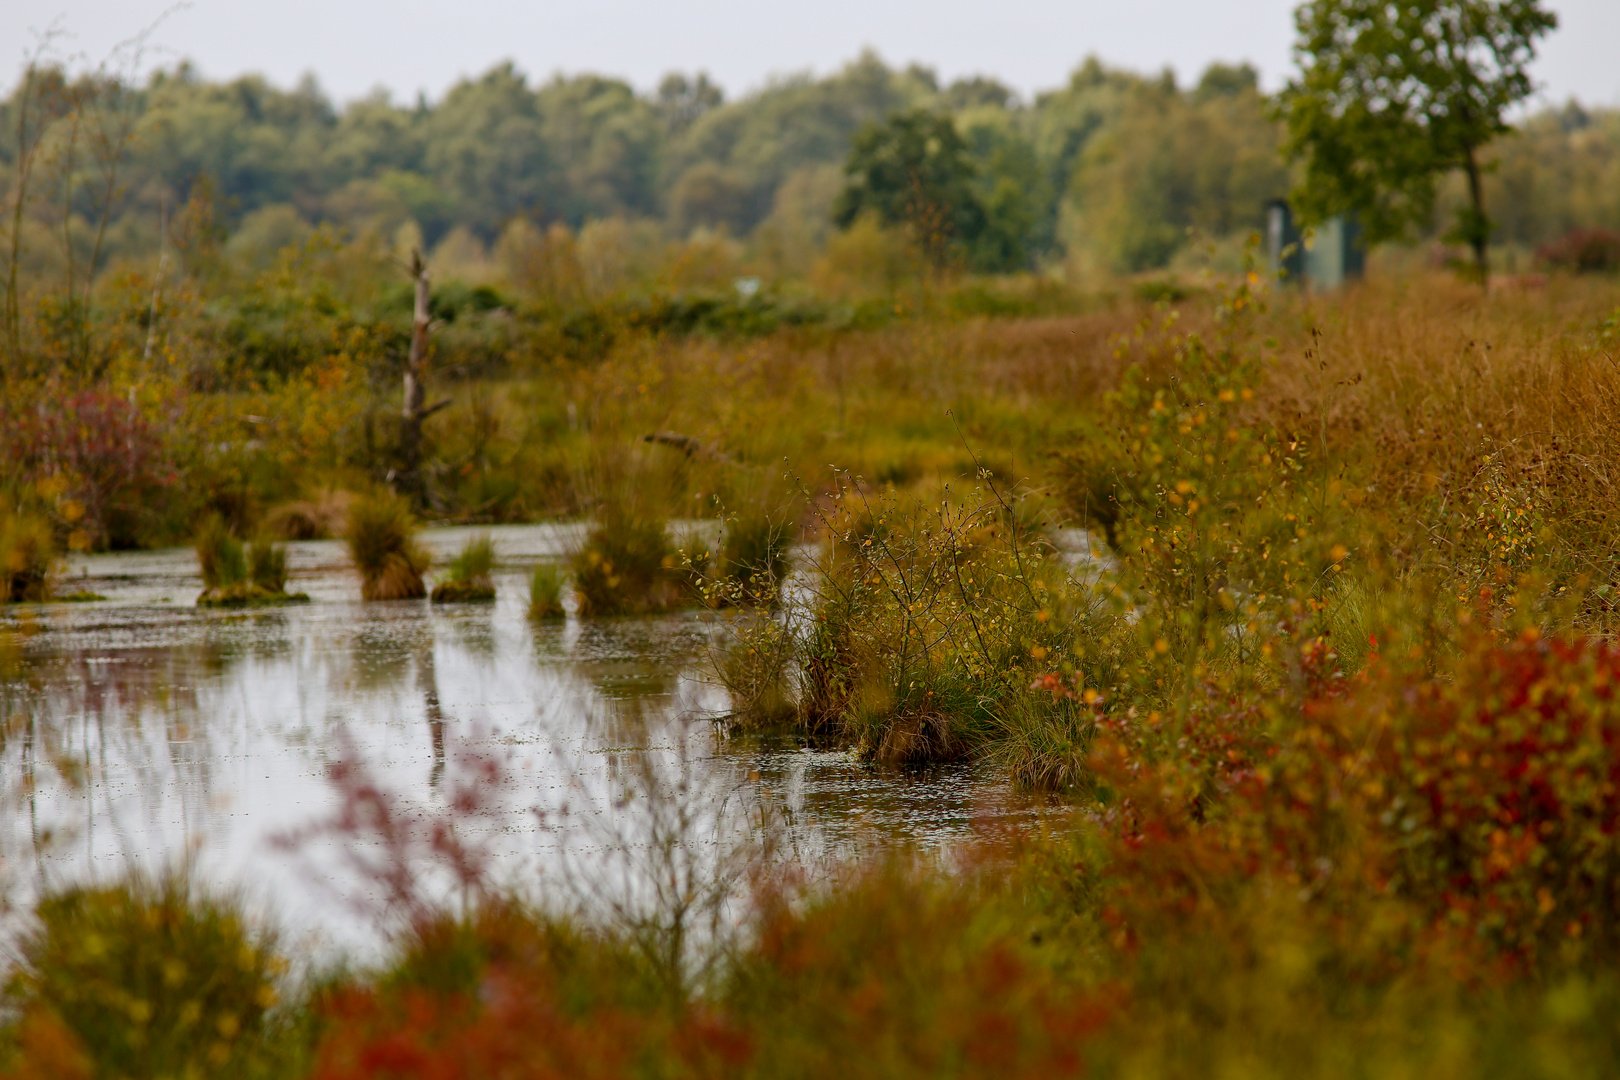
(412, 46)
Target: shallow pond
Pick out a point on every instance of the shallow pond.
(143, 732)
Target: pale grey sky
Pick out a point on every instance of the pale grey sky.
(409, 46)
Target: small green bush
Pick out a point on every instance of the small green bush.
(381, 534)
(546, 586)
(150, 980)
(470, 573)
(27, 558)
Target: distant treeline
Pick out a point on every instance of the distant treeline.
(1114, 172)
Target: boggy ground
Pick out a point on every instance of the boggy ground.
(1334, 709)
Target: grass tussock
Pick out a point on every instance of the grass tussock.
(921, 632)
(469, 576)
(310, 519)
(381, 534)
(240, 575)
(27, 558)
(547, 584)
(755, 663)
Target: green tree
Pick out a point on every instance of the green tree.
(914, 171)
(1391, 97)
(1173, 161)
(1011, 186)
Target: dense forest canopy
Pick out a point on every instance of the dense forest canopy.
(1114, 171)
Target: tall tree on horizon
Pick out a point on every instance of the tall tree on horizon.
(914, 171)
(1392, 97)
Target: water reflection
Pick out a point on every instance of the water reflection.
(139, 732)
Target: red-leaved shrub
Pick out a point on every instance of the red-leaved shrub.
(1585, 251)
(100, 451)
(1501, 792)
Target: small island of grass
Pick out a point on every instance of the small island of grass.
(469, 576)
(241, 575)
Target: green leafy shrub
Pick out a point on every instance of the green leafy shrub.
(546, 586)
(469, 573)
(381, 535)
(151, 981)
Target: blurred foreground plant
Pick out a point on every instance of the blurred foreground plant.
(148, 980)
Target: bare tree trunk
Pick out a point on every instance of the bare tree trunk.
(408, 478)
(1479, 227)
(75, 317)
(25, 160)
(157, 280)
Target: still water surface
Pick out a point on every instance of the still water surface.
(142, 731)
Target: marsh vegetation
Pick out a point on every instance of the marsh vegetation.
(1252, 646)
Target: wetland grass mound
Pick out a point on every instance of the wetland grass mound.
(310, 519)
(469, 576)
(381, 535)
(27, 559)
(238, 575)
(546, 586)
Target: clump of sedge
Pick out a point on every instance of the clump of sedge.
(238, 575)
(546, 586)
(381, 534)
(469, 576)
(27, 559)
